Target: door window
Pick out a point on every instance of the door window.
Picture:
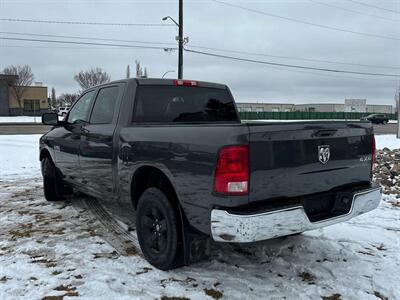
(79, 112)
(103, 109)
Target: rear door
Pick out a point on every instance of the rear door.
(96, 147)
(290, 160)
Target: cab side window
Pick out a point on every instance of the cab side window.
(103, 109)
(80, 111)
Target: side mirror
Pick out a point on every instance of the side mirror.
(50, 119)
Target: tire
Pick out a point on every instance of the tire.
(157, 228)
(384, 122)
(52, 184)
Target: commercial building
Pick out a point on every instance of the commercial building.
(34, 100)
(349, 105)
(261, 107)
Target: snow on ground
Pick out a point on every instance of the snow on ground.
(59, 249)
(387, 141)
(19, 155)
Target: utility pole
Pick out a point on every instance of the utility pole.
(180, 50)
(397, 98)
(181, 40)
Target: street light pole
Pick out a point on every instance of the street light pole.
(180, 38)
(180, 50)
(397, 98)
(171, 71)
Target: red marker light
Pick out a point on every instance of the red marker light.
(185, 83)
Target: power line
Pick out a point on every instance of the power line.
(88, 43)
(84, 23)
(306, 22)
(200, 47)
(373, 6)
(85, 38)
(63, 47)
(354, 11)
(294, 58)
(292, 66)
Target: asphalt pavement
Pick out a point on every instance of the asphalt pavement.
(390, 128)
(31, 128)
(23, 128)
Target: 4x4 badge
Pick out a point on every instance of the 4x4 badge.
(324, 153)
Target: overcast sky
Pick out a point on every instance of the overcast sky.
(210, 24)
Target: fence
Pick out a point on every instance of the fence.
(305, 115)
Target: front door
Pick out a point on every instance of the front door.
(67, 141)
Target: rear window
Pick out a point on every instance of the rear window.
(183, 104)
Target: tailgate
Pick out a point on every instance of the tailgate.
(296, 159)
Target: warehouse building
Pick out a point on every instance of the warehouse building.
(34, 100)
(261, 107)
(349, 105)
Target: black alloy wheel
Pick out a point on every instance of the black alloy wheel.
(157, 229)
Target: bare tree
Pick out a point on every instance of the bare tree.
(53, 98)
(21, 84)
(67, 99)
(93, 77)
(128, 72)
(140, 72)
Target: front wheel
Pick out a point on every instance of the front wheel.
(157, 229)
(384, 122)
(52, 183)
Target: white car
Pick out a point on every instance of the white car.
(62, 111)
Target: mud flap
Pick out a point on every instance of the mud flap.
(196, 246)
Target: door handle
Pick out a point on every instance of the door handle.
(126, 155)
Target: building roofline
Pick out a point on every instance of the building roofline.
(8, 78)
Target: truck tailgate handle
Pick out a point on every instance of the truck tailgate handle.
(325, 132)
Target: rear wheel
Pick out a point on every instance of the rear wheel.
(52, 184)
(157, 228)
(384, 122)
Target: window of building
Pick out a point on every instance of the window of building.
(103, 110)
(31, 105)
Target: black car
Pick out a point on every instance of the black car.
(376, 119)
(172, 159)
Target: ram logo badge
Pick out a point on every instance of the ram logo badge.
(324, 153)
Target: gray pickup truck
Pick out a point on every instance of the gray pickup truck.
(172, 158)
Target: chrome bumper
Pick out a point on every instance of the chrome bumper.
(234, 228)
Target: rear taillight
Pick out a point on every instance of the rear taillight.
(185, 83)
(373, 153)
(232, 171)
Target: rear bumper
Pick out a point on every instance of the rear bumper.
(239, 228)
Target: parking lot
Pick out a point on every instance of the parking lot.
(75, 248)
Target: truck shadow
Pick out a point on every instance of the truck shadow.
(279, 252)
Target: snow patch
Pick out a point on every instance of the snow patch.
(387, 141)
